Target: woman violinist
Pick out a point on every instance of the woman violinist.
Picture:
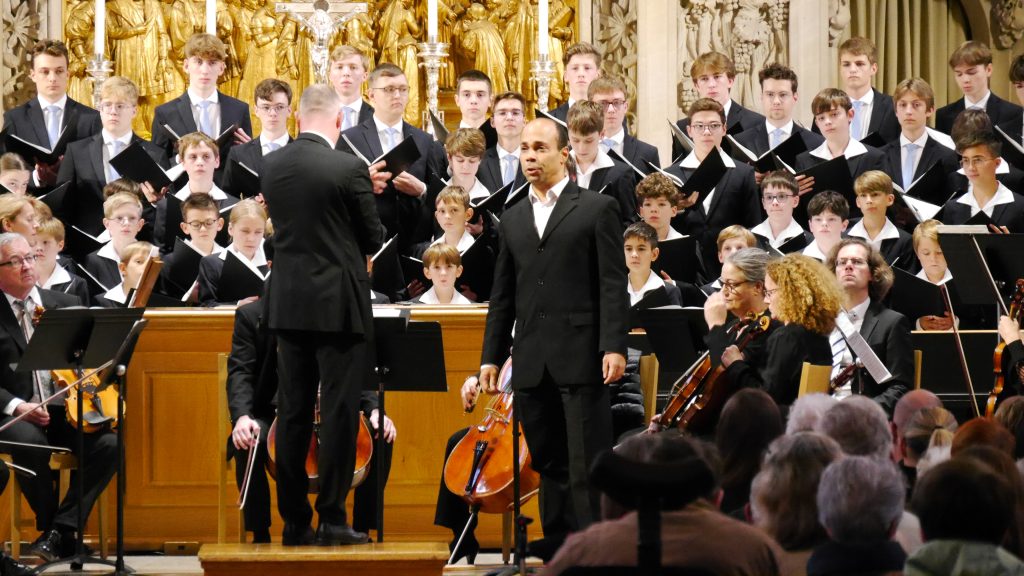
(804, 295)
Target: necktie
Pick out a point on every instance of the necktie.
(205, 123)
(53, 125)
(509, 173)
(776, 137)
(855, 131)
(609, 144)
(115, 150)
(272, 146)
(392, 139)
(908, 164)
(25, 308)
(347, 122)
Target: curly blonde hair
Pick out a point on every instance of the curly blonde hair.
(808, 294)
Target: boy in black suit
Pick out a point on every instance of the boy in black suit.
(87, 162)
(917, 148)
(202, 108)
(610, 93)
(122, 218)
(874, 196)
(640, 243)
(985, 193)
(41, 119)
(872, 110)
(779, 197)
(347, 72)
(595, 170)
(972, 67)
(713, 74)
(582, 62)
(500, 164)
(473, 97)
(51, 271)
(273, 99)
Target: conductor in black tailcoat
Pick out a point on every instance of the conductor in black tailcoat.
(322, 205)
(561, 279)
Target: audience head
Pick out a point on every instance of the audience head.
(983, 432)
(1003, 465)
(1011, 415)
(800, 290)
(860, 499)
(926, 428)
(906, 406)
(860, 268)
(963, 499)
(860, 427)
(750, 420)
(806, 412)
(783, 495)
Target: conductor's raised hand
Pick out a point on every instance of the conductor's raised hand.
(613, 366)
(489, 378)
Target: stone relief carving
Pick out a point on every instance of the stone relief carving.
(751, 32)
(616, 35)
(23, 21)
(1007, 22)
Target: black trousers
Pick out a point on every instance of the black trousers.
(451, 511)
(100, 464)
(337, 364)
(566, 427)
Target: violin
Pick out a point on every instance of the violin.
(997, 356)
(364, 451)
(698, 396)
(99, 407)
(844, 376)
(479, 469)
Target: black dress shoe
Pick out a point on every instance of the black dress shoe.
(48, 546)
(469, 549)
(544, 548)
(11, 567)
(295, 535)
(339, 535)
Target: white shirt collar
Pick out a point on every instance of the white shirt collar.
(502, 152)
(552, 195)
(858, 312)
(888, 232)
(619, 137)
(382, 127)
(281, 141)
(59, 276)
(980, 104)
(37, 299)
(787, 129)
(813, 251)
(464, 243)
(109, 138)
(215, 192)
(61, 103)
(945, 277)
(673, 234)
(259, 259)
(853, 149)
(116, 294)
(790, 232)
(109, 252)
(478, 190)
(602, 160)
(1003, 196)
(430, 297)
(356, 106)
(195, 98)
(653, 283)
(726, 107)
(691, 160)
(920, 142)
(867, 99)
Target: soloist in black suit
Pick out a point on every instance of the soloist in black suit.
(739, 119)
(178, 115)
(888, 334)
(565, 291)
(100, 447)
(83, 166)
(250, 154)
(321, 202)
(400, 213)
(999, 111)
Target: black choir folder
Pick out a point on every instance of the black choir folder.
(703, 179)
(915, 297)
(387, 275)
(787, 151)
(396, 161)
(135, 164)
(34, 153)
(238, 281)
(183, 267)
(245, 178)
(222, 139)
(678, 258)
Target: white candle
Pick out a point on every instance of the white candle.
(542, 28)
(431, 20)
(211, 17)
(100, 34)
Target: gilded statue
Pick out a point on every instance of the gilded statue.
(187, 18)
(139, 46)
(398, 38)
(358, 32)
(78, 35)
(560, 36)
(521, 45)
(243, 11)
(261, 39)
(481, 43)
(225, 31)
(176, 83)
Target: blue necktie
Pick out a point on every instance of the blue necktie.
(509, 174)
(205, 124)
(272, 146)
(346, 121)
(908, 165)
(53, 125)
(392, 139)
(776, 137)
(855, 131)
(111, 172)
(609, 144)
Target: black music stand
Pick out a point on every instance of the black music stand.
(75, 338)
(409, 358)
(976, 260)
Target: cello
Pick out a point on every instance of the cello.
(479, 468)
(699, 394)
(1014, 313)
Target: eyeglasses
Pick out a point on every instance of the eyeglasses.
(711, 127)
(125, 220)
(773, 198)
(20, 261)
(393, 90)
(277, 109)
(769, 294)
(976, 161)
(855, 262)
(730, 286)
(200, 224)
(508, 113)
(616, 104)
(115, 107)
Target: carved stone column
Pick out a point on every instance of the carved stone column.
(657, 55)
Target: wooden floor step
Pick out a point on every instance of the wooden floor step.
(388, 558)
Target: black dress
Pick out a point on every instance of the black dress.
(786, 349)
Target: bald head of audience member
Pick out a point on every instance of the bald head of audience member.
(320, 111)
(860, 427)
(908, 404)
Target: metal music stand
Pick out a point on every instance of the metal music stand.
(76, 338)
(409, 358)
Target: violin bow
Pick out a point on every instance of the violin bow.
(249, 465)
(960, 346)
(46, 400)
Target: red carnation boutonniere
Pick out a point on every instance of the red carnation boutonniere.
(37, 315)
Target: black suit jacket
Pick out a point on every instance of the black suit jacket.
(738, 120)
(999, 111)
(250, 154)
(83, 167)
(325, 224)
(883, 118)
(178, 115)
(1010, 215)
(873, 159)
(210, 269)
(103, 269)
(252, 366)
(400, 213)
(562, 112)
(756, 138)
(640, 153)
(490, 174)
(888, 334)
(12, 346)
(565, 291)
(27, 122)
(618, 182)
(932, 153)
(786, 349)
